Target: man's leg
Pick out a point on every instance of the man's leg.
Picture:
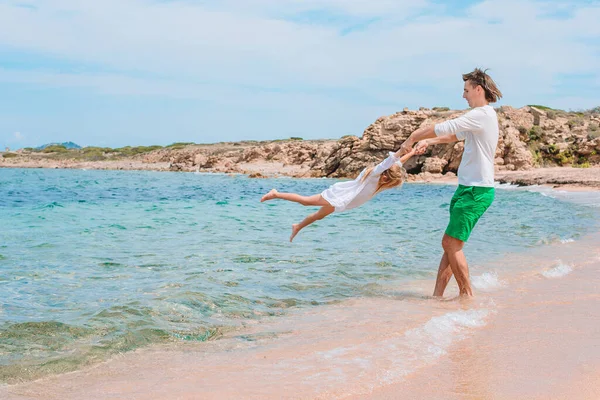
(443, 276)
(322, 213)
(458, 263)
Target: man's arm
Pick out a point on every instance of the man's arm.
(422, 145)
(418, 135)
(470, 122)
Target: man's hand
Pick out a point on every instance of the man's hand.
(421, 147)
(424, 132)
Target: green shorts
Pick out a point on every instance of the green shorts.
(467, 206)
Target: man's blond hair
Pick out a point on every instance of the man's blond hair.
(479, 77)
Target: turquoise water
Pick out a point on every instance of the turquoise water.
(98, 262)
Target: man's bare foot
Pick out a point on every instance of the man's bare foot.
(269, 196)
(295, 230)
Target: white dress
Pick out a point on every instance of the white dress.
(351, 194)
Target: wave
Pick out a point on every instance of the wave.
(425, 344)
(555, 240)
(558, 271)
(487, 281)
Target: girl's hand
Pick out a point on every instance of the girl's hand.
(421, 147)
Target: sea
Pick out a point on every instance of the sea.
(102, 264)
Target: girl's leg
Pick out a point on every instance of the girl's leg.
(322, 213)
(314, 200)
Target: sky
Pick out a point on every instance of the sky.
(153, 72)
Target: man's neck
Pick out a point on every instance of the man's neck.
(481, 103)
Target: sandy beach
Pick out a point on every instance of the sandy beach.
(531, 333)
(541, 344)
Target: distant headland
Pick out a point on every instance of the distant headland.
(532, 138)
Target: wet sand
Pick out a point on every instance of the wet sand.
(530, 333)
(541, 344)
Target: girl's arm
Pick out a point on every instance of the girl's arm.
(394, 158)
(385, 164)
(408, 155)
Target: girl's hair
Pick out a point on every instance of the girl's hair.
(480, 78)
(388, 179)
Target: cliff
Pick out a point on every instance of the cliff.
(529, 137)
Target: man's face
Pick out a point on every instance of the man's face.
(470, 93)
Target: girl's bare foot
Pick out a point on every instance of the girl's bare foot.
(269, 196)
(295, 229)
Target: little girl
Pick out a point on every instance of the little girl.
(350, 194)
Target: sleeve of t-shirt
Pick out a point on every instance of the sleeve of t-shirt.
(360, 176)
(386, 164)
(470, 122)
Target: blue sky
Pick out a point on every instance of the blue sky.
(142, 72)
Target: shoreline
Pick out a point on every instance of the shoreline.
(563, 178)
(531, 336)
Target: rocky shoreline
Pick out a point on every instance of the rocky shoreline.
(558, 177)
(536, 146)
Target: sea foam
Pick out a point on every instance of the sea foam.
(487, 281)
(558, 271)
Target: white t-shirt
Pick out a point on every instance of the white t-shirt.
(479, 129)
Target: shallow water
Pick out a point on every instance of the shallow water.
(531, 337)
(94, 263)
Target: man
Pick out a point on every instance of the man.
(475, 192)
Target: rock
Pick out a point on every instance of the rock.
(537, 114)
(210, 162)
(175, 167)
(519, 158)
(253, 153)
(200, 159)
(562, 146)
(434, 165)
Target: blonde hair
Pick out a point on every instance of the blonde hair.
(480, 78)
(388, 179)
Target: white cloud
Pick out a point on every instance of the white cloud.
(229, 45)
(243, 54)
(355, 8)
(18, 136)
